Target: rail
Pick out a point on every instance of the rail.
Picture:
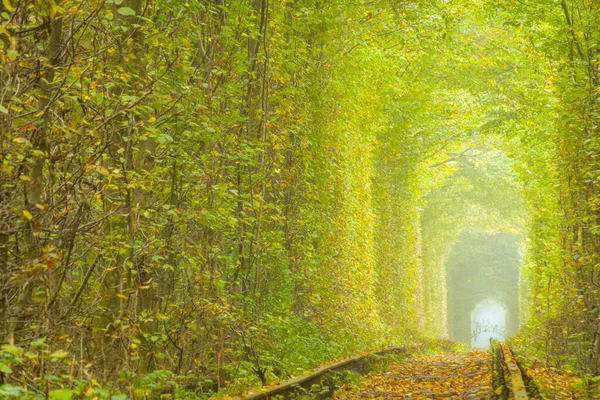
(288, 388)
(507, 369)
(509, 386)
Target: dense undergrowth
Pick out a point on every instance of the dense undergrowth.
(232, 192)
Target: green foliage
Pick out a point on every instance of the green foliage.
(188, 188)
(229, 193)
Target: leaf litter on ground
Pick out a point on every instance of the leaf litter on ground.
(449, 375)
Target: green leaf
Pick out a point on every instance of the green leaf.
(3, 109)
(10, 391)
(39, 342)
(164, 138)
(59, 354)
(14, 350)
(62, 394)
(7, 4)
(126, 11)
(5, 368)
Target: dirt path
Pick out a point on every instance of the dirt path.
(445, 376)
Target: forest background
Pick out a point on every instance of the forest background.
(234, 191)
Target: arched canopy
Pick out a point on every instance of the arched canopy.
(482, 268)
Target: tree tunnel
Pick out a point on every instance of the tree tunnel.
(483, 292)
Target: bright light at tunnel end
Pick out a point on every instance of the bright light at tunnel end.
(488, 321)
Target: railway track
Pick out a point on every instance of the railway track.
(507, 377)
(494, 375)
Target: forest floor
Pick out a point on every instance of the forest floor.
(559, 384)
(449, 375)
